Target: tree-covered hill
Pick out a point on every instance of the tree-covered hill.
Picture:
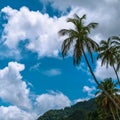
(79, 111)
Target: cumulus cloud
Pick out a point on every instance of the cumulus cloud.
(78, 3)
(41, 104)
(39, 29)
(102, 72)
(52, 72)
(14, 113)
(89, 90)
(52, 100)
(103, 12)
(12, 88)
(12, 53)
(14, 91)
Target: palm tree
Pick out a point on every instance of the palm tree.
(116, 41)
(78, 37)
(116, 44)
(104, 102)
(108, 53)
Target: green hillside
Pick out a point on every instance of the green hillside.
(79, 111)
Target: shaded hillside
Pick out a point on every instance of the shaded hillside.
(79, 111)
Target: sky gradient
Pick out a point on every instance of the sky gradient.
(33, 75)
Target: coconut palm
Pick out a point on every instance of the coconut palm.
(78, 37)
(108, 54)
(104, 102)
(116, 44)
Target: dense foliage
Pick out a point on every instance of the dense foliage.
(79, 111)
(87, 110)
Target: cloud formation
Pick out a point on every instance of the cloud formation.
(104, 12)
(78, 3)
(52, 100)
(102, 72)
(35, 67)
(52, 72)
(39, 29)
(14, 91)
(12, 88)
(89, 90)
(14, 113)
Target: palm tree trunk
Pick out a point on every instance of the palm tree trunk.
(90, 68)
(116, 74)
(112, 113)
(117, 115)
(107, 94)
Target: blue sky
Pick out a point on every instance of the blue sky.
(33, 76)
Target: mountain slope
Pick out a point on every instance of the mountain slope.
(79, 111)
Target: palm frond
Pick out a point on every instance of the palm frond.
(64, 32)
(77, 54)
(66, 46)
(91, 46)
(91, 26)
(76, 16)
(115, 38)
(83, 17)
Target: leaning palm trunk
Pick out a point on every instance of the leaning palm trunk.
(117, 115)
(112, 113)
(80, 35)
(107, 94)
(116, 74)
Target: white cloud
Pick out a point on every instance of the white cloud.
(12, 88)
(40, 104)
(102, 72)
(5, 53)
(52, 72)
(91, 80)
(89, 90)
(14, 113)
(81, 100)
(82, 67)
(103, 12)
(39, 29)
(52, 100)
(35, 67)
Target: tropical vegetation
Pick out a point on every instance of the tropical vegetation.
(106, 105)
(108, 53)
(99, 108)
(78, 38)
(79, 111)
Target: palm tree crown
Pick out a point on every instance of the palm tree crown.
(79, 37)
(108, 53)
(116, 44)
(104, 102)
